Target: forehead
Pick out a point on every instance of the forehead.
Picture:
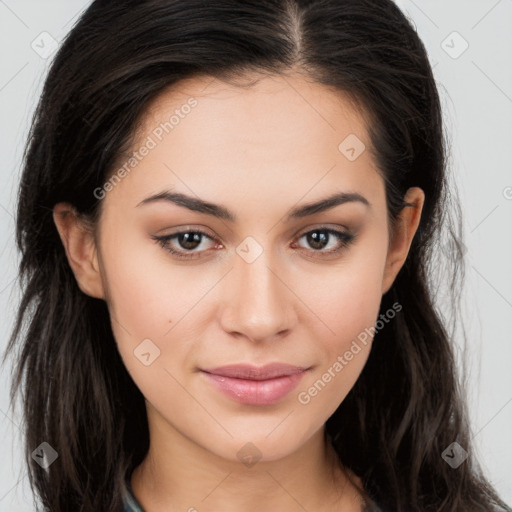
(252, 110)
(254, 138)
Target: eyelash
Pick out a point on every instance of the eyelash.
(344, 238)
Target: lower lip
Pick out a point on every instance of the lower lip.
(255, 392)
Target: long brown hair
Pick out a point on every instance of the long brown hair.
(406, 408)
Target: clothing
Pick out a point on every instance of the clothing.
(130, 502)
(132, 505)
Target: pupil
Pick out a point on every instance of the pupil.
(317, 239)
(190, 240)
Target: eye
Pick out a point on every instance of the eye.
(187, 242)
(333, 239)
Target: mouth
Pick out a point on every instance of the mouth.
(252, 385)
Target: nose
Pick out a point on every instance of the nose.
(257, 302)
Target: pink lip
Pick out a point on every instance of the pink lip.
(254, 385)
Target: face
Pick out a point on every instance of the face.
(253, 277)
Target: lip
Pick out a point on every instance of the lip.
(253, 385)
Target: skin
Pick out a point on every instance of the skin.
(259, 151)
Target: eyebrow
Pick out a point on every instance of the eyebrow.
(199, 205)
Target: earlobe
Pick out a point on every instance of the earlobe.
(80, 248)
(400, 241)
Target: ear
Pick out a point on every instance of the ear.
(401, 238)
(80, 247)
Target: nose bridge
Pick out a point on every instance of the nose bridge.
(259, 303)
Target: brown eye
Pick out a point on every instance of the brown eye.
(189, 240)
(185, 243)
(320, 238)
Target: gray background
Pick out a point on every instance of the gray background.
(476, 90)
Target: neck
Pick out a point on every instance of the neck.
(178, 474)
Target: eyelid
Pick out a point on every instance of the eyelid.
(164, 242)
(187, 228)
(325, 226)
(344, 236)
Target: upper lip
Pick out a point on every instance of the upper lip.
(250, 372)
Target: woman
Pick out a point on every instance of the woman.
(228, 218)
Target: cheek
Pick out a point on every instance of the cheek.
(146, 293)
(348, 303)
(347, 299)
(148, 299)
(343, 349)
(348, 306)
